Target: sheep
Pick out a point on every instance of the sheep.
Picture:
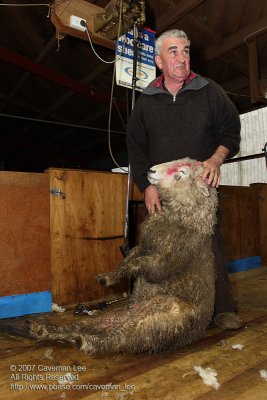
(172, 301)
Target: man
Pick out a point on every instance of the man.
(182, 114)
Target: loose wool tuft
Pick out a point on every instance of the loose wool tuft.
(208, 375)
(173, 269)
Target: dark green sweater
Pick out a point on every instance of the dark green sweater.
(163, 127)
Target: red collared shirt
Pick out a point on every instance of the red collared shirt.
(159, 82)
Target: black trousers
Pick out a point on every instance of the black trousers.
(224, 300)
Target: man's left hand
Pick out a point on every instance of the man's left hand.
(212, 166)
(211, 173)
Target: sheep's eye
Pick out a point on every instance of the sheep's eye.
(180, 175)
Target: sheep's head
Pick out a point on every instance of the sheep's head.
(180, 175)
(185, 196)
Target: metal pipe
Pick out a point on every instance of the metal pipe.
(244, 158)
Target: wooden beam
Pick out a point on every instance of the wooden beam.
(253, 70)
(236, 63)
(237, 39)
(174, 14)
(215, 10)
(61, 17)
(52, 75)
(205, 32)
(235, 84)
(66, 30)
(263, 87)
(80, 8)
(91, 77)
(98, 114)
(26, 76)
(28, 36)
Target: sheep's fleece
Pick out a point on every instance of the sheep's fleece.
(173, 296)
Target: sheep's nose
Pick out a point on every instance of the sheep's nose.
(151, 171)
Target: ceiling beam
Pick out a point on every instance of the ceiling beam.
(253, 70)
(203, 29)
(52, 75)
(237, 39)
(236, 63)
(253, 57)
(175, 13)
(263, 88)
(98, 114)
(26, 76)
(235, 85)
(91, 77)
(215, 11)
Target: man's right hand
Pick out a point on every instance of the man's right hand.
(152, 200)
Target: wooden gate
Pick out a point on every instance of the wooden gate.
(87, 211)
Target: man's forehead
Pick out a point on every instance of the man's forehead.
(174, 47)
(175, 42)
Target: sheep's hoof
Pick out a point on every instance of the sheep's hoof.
(102, 280)
(85, 345)
(36, 329)
(108, 279)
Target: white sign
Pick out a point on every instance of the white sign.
(145, 68)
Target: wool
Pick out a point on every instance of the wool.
(172, 301)
(208, 375)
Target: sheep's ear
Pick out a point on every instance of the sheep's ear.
(203, 187)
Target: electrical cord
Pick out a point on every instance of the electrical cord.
(109, 123)
(83, 23)
(112, 84)
(111, 103)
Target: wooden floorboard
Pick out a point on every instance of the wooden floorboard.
(167, 376)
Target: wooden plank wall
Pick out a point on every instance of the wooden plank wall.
(262, 196)
(244, 220)
(24, 233)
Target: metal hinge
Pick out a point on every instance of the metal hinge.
(58, 192)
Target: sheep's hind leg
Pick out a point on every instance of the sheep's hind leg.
(42, 331)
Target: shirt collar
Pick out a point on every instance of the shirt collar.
(160, 80)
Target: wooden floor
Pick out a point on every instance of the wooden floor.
(167, 376)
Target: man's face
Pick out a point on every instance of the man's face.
(174, 59)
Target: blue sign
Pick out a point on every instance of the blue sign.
(146, 68)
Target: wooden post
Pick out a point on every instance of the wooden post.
(253, 70)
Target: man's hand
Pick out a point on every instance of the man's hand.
(212, 166)
(211, 173)
(152, 200)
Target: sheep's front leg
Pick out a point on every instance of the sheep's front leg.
(148, 266)
(123, 270)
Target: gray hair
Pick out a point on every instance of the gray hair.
(174, 33)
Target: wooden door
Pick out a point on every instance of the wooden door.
(87, 228)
